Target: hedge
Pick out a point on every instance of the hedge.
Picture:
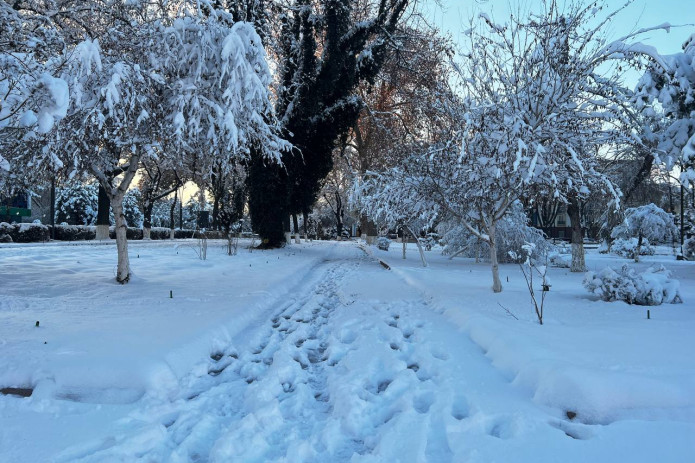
(32, 233)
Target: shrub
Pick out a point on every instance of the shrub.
(643, 223)
(653, 287)
(560, 260)
(24, 232)
(628, 247)
(179, 234)
(76, 202)
(160, 233)
(383, 243)
(75, 232)
(30, 233)
(130, 233)
(689, 248)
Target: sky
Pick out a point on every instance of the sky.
(639, 14)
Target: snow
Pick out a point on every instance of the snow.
(315, 352)
(55, 107)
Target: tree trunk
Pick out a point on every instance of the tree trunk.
(268, 200)
(286, 228)
(53, 208)
(496, 282)
(123, 270)
(339, 214)
(419, 246)
(368, 228)
(639, 247)
(403, 240)
(682, 230)
(305, 216)
(147, 220)
(215, 211)
(295, 223)
(172, 211)
(103, 207)
(574, 212)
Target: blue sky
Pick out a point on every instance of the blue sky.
(640, 14)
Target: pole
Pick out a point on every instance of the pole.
(682, 216)
(52, 210)
(181, 210)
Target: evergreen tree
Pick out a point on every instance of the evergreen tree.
(326, 48)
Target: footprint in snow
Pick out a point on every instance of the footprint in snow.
(423, 401)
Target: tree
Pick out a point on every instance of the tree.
(402, 106)
(155, 184)
(554, 71)
(650, 222)
(326, 48)
(157, 86)
(670, 81)
(534, 115)
(31, 97)
(76, 203)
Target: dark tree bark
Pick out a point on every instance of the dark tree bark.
(103, 208)
(267, 187)
(317, 101)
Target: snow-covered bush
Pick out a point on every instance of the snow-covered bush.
(24, 232)
(132, 233)
(131, 208)
(75, 232)
(689, 248)
(6, 228)
(604, 247)
(31, 233)
(160, 233)
(642, 223)
(628, 247)
(653, 287)
(560, 260)
(430, 240)
(383, 243)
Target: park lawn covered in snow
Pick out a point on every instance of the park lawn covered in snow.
(316, 352)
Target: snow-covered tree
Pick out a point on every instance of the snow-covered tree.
(76, 203)
(650, 222)
(513, 232)
(32, 95)
(536, 110)
(131, 208)
(193, 86)
(670, 81)
(564, 98)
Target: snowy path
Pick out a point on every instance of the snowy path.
(345, 371)
(335, 374)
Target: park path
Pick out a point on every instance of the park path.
(353, 364)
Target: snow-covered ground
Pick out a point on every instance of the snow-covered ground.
(316, 353)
